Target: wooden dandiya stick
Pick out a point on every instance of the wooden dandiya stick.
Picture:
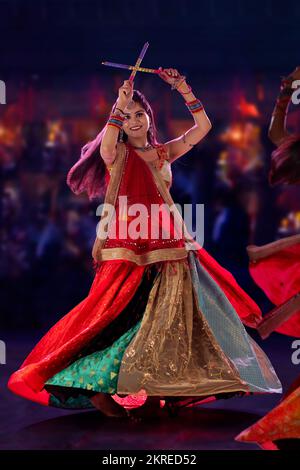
(130, 67)
(138, 62)
(135, 68)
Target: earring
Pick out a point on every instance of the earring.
(121, 135)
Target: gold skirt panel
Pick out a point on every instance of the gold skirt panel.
(174, 352)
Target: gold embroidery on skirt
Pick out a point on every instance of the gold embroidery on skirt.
(174, 351)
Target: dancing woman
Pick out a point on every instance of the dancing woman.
(280, 259)
(276, 269)
(163, 320)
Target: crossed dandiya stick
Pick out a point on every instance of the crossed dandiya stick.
(135, 68)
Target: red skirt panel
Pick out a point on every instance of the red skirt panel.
(278, 275)
(113, 287)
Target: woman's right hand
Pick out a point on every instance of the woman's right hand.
(125, 93)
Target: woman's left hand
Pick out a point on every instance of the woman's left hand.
(169, 75)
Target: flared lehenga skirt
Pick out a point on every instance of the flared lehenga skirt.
(166, 329)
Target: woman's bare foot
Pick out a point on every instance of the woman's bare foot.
(107, 405)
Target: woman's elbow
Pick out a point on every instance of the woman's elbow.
(207, 127)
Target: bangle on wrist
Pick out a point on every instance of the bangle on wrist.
(117, 116)
(194, 106)
(116, 120)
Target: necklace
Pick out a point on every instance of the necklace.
(144, 149)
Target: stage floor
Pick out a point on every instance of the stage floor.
(26, 425)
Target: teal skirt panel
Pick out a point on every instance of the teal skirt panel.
(97, 367)
(227, 328)
(97, 372)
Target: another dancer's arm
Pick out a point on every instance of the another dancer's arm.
(109, 141)
(181, 145)
(278, 126)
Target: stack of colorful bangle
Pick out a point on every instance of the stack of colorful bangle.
(194, 106)
(116, 120)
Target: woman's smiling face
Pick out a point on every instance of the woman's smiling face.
(137, 121)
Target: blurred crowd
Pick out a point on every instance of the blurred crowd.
(47, 232)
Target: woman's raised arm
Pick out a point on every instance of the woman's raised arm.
(115, 122)
(181, 145)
